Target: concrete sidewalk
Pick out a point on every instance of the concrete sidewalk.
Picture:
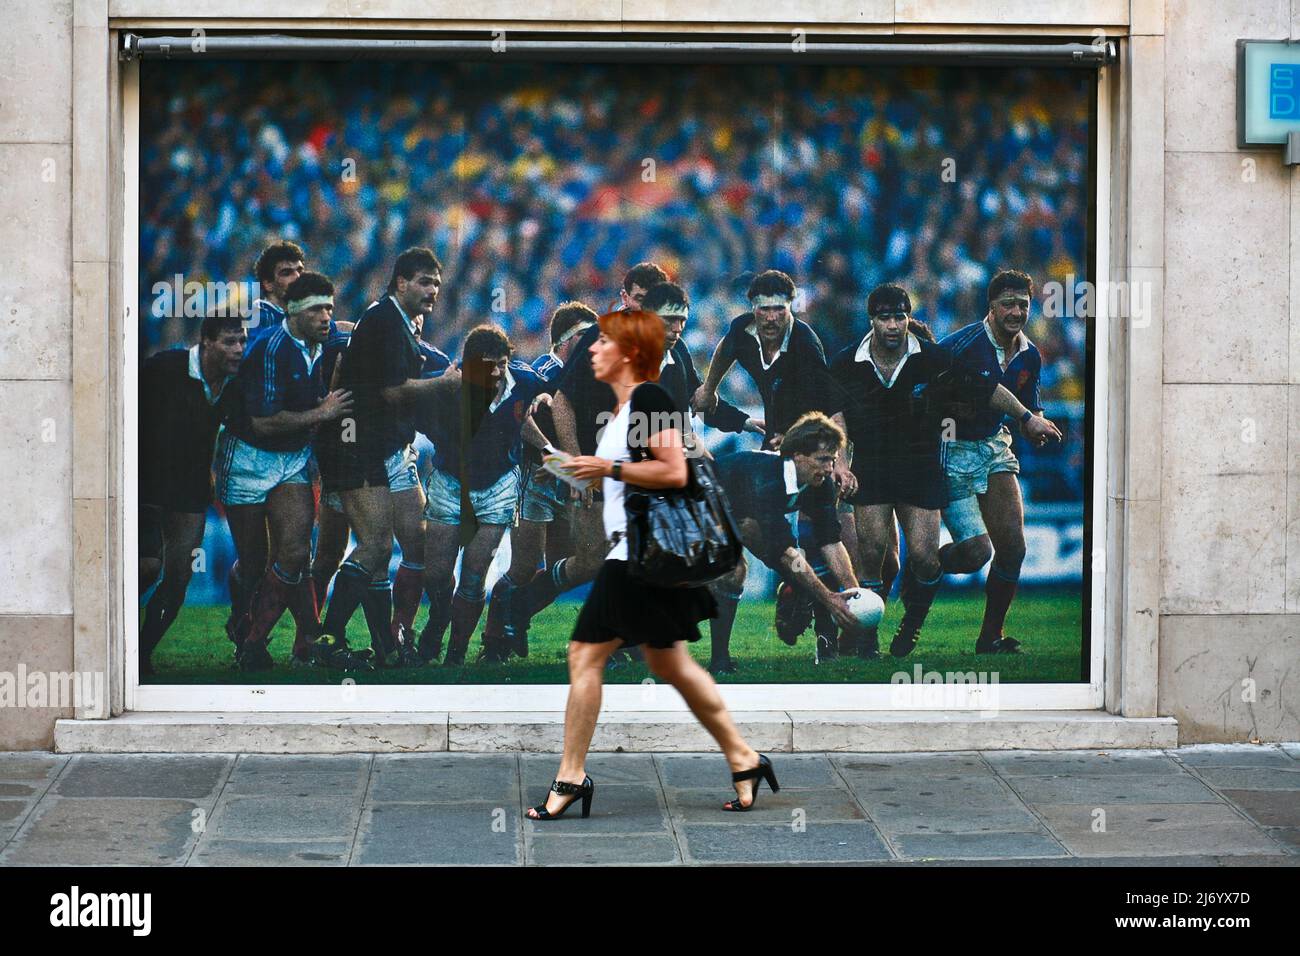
(1214, 804)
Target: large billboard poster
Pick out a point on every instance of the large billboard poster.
(893, 254)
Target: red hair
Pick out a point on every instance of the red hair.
(640, 336)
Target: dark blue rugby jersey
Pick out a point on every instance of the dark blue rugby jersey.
(274, 377)
(495, 444)
(792, 384)
(266, 318)
(548, 367)
(761, 485)
(974, 350)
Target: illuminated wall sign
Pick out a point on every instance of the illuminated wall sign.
(1268, 92)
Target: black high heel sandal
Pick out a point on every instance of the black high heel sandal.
(585, 790)
(763, 771)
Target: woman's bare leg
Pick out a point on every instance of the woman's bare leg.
(695, 684)
(586, 677)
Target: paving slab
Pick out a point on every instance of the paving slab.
(952, 817)
(1108, 789)
(550, 850)
(294, 819)
(782, 843)
(411, 834)
(30, 766)
(925, 764)
(444, 778)
(1157, 830)
(1235, 755)
(973, 789)
(263, 853)
(349, 785)
(1270, 808)
(1291, 750)
(1251, 778)
(539, 769)
(143, 775)
(793, 771)
(107, 831)
(303, 763)
(1022, 762)
(978, 846)
(615, 808)
(705, 806)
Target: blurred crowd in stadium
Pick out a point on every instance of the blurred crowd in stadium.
(537, 183)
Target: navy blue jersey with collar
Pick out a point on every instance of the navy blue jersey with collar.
(973, 349)
(495, 441)
(792, 384)
(758, 487)
(274, 377)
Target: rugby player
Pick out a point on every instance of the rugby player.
(546, 507)
(985, 514)
(264, 464)
(183, 398)
(767, 492)
(879, 388)
(782, 354)
(408, 510)
(382, 369)
(475, 468)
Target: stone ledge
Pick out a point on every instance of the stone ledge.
(542, 732)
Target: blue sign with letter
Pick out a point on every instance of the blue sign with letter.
(1284, 91)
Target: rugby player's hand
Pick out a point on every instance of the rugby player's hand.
(335, 405)
(1040, 431)
(538, 402)
(838, 605)
(776, 441)
(345, 326)
(704, 401)
(846, 481)
(756, 425)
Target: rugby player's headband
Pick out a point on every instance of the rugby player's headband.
(310, 302)
(575, 330)
(673, 310)
(760, 301)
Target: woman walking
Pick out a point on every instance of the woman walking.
(641, 445)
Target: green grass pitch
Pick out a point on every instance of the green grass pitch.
(1048, 622)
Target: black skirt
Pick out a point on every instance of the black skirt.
(639, 613)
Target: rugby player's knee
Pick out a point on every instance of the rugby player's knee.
(925, 567)
(470, 587)
(1010, 555)
(968, 556)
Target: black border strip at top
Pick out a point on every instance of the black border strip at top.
(284, 47)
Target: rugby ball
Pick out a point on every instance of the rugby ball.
(865, 605)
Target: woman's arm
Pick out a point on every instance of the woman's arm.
(666, 470)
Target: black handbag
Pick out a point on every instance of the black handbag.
(681, 537)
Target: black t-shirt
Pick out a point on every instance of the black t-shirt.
(178, 429)
(383, 352)
(653, 411)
